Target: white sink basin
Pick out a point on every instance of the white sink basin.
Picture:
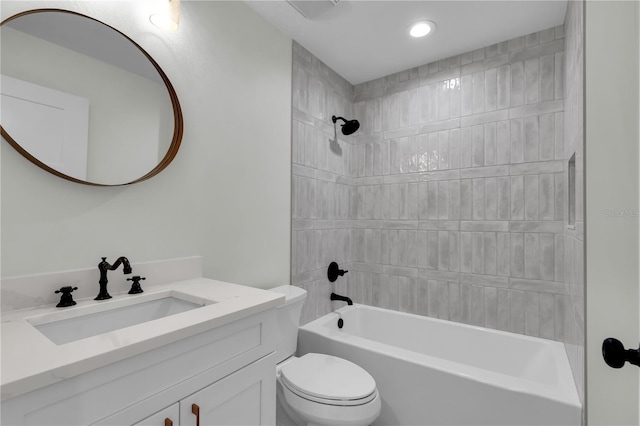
(113, 317)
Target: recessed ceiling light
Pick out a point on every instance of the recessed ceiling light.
(421, 29)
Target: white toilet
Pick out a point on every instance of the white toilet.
(318, 389)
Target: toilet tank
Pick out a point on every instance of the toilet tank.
(289, 320)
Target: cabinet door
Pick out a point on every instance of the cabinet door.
(246, 397)
(166, 417)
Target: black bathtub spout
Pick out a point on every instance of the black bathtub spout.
(341, 298)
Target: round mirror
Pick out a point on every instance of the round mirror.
(84, 101)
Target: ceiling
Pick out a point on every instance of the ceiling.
(365, 39)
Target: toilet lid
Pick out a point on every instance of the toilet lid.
(328, 378)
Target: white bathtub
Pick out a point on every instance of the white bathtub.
(434, 372)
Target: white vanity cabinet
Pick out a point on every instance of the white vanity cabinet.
(243, 398)
(166, 417)
(228, 372)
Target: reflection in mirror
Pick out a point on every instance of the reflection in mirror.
(83, 101)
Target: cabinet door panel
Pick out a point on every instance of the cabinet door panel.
(171, 413)
(246, 397)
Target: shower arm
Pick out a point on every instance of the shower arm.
(335, 131)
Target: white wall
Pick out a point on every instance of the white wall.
(611, 165)
(226, 196)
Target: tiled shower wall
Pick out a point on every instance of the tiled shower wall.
(573, 238)
(321, 185)
(461, 197)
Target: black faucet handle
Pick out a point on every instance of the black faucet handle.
(66, 289)
(334, 271)
(66, 299)
(135, 286)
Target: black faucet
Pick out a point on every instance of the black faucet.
(342, 298)
(103, 267)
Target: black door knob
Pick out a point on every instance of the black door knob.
(615, 355)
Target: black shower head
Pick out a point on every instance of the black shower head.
(349, 127)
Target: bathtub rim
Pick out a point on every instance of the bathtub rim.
(565, 392)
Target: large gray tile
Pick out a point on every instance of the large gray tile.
(531, 314)
(466, 147)
(503, 310)
(443, 250)
(408, 292)
(443, 149)
(466, 199)
(555, 227)
(547, 257)
(503, 254)
(503, 142)
(438, 126)
(491, 307)
(423, 249)
(484, 118)
(433, 251)
(532, 85)
(487, 171)
(547, 196)
(517, 140)
(531, 255)
(440, 225)
(547, 137)
(517, 311)
(478, 92)
(504, 198)
(538, 108)
(517, 83)
(454, 149)
(454, 251)
(454, 200)
(539, 286)
(466, 252)
(491, 89)
(443, 101)
(517, 255)
(531, 139)
(484, 226)
(422, 302)
(477, 306)
(477, 146)
(478, 199)
(432, 200)
(477, 247)
(490, 253)
(504, 87)
(454, 301)
(536, 168)
(517, 197)
(559, 135)
(531, 197)
(547, 77)
(443, 200)
(546, 304)
(490, 144)
(559, 75)
(491, 198)
(455, 101)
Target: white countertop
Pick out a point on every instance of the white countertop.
(30, 360)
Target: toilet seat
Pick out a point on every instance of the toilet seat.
(328, 380)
